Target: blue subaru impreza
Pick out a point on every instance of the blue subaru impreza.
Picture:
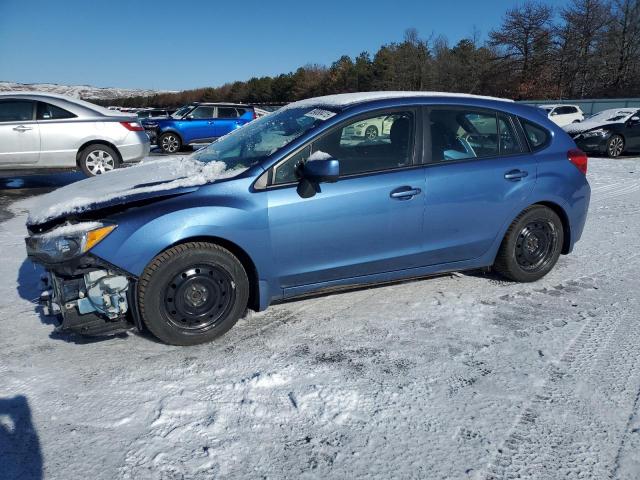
(297, 202)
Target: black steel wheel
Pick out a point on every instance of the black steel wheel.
(192, 293)
(531, 246)
(198, 297)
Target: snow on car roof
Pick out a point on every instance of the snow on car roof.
(347, 99)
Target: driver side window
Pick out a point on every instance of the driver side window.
(383, 141)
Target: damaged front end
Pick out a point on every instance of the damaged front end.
(86, 294)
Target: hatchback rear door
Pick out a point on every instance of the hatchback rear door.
(19, 133)
(479, 171)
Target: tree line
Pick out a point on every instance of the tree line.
(586, 49)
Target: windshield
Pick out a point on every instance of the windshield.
(615, 116)
(251, 144)
(181, 112)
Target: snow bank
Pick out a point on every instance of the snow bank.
(72, 228)
(344, 99)
(162, 175)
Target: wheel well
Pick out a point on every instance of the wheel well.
(97, 142)
(566, 227)
(245, 260)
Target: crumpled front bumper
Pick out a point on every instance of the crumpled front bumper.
(95, 303)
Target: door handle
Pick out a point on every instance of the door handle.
(515, 175)
(22, 128)
(404, 193)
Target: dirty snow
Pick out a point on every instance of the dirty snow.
(162, 175)
(459, 376)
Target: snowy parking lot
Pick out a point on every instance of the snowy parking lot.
(458, 376)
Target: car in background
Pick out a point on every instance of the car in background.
(286, 207)
(564, 114)
(371, 128)
(611, 132)
(42, 131)
(197, 123)
(153, 113)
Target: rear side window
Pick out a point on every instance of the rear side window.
(565, 110)
(537, 136)
(227, 112)
(16, 111)
(47, 111)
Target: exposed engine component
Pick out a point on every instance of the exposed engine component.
(105, 293)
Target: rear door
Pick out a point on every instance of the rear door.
(59, 136)
(479, 172)
(226, 120)
(19, 133)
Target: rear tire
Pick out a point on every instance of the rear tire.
(170, 142)
(192, 293)
(97, 159)
(615, 146)
(531, 246)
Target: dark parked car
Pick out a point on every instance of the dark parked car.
(290, 205)
(610, 132)
(197, 123)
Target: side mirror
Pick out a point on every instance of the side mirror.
(554, 114)
(635, 119)
(189, 117)
(327, 170)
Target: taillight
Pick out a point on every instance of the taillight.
(255, 115)
(579, 159)
(132, 126)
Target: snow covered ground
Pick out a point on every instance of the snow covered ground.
(460, 376)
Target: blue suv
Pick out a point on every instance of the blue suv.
(197, 123)
(297, 202)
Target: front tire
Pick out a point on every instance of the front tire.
(97, 159)
(192, 293)
(531, 246)
(615, 146)
(170, 142)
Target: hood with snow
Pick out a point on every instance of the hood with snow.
(146, 180)
(601, 119)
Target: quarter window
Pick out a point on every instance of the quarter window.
(537, 136)
(47, 111)
(16, 111)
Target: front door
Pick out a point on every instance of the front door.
(369, 221)
(201, 124)
(19, 133)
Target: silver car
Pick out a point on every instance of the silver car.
(41, 131)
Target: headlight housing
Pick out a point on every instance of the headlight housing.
(600, 132)
(68, 241)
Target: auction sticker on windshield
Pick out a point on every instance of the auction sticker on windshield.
(320, 114)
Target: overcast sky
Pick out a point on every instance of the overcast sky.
(187, 44)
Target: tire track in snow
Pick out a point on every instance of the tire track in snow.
(573, 426)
